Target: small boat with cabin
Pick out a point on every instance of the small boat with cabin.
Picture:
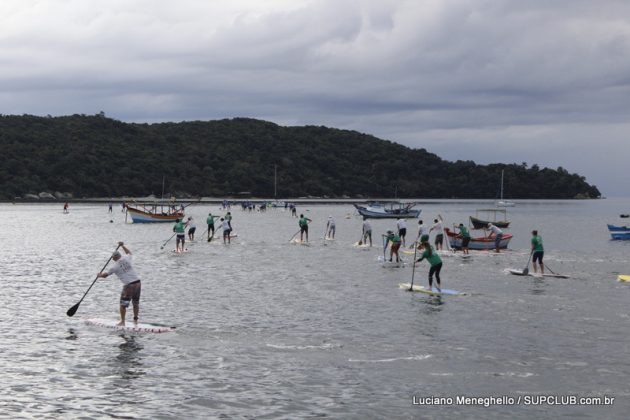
(155, 212)
(497, 217)
(390, 211)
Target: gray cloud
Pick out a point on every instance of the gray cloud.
(490, 80)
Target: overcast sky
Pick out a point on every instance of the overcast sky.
(536, 81)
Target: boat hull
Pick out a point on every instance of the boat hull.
(483, 243)
(619, 233)
(140, 216)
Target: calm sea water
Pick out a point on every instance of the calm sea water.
(266, 329)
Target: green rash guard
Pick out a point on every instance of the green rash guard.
(180, 227)
(393, 238)
(464, 232)
(434, 259)
(210, 220)
(537, 243)
(303, 222)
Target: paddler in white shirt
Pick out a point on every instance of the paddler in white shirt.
(330, 228)
(123, 268)
(401, 224)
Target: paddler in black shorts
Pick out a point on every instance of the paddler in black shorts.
(131, 282)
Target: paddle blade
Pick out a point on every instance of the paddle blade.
(526, 271)
(73, 310)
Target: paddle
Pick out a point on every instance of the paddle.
(413, 269)
(526, 269)
(73, 310)
(385, 243)
(168, 240)
(552, 272)
(294, 235)
(203, 233)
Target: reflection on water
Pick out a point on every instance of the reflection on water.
(128, 359)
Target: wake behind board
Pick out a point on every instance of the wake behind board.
(435, 291)
(520, 273)
(623, 277)
(129, 327)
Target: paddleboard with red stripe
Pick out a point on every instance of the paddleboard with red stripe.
(129, 326)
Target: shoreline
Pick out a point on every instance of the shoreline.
(299, 200)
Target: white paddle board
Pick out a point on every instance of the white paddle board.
(129, 326)
(520, 273)
(298, 242)
(435, 291)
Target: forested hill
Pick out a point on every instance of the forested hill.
(95, 156)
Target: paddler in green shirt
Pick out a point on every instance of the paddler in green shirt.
(433, 258)
(210, 222)
(180, 230)
(538, 251)
(465, 237)
(228, 218)
(396, 241)
(303, 222)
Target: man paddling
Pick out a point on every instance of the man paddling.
(303, 223)
(433, 258)
(180, 230)
(422, 230)
(210, 222)
(123, 268)
(538, 252)
(401, 225)
(330, 228)
(465, 237)
(367, 232)
(192, 227)
(498, 235)
(395, 240)
(439, 237)
(225, 225)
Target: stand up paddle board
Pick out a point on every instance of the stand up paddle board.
(623, 277)
(298, 242)
(520, 273)
(130, 326)
(435, 291)
(393, 264)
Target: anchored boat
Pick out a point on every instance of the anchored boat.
(619, 232)
(497, 217)
(391, 211)
(154, 212)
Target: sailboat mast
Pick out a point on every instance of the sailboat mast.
(275, 181)
(502, 183)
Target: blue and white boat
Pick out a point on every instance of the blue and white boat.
(391, 211)
(619, 232)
